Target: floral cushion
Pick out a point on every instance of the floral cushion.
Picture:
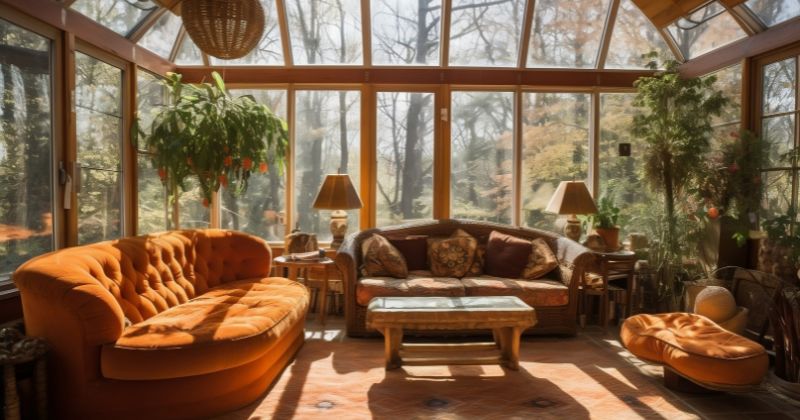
(381, 258)
(540, 262)
(476, 269)
(452, 257)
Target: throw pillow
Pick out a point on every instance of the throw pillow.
(414, 250)
(506, 255)
(476, 269)
(452, 257)
(541, 261)
(381, 258)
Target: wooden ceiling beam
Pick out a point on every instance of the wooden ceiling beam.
(417, 76)
(664, 12)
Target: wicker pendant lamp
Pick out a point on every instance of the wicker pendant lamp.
(226, 29)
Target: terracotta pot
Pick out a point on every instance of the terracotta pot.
(610, 236)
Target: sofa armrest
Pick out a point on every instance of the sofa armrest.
(574, 260)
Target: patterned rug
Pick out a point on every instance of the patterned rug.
(559, 378)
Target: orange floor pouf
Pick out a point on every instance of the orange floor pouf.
(696, 348)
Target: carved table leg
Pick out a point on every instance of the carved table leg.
(11, 410)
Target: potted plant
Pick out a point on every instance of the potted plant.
(674, 120)
(204, 132)
(605, 223)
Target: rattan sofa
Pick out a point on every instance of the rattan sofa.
(573, 259)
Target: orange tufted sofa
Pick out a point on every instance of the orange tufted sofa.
(173, 325)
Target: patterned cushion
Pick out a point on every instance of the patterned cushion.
(371, 287)
(541, 261)
(476, 269)
(537, 293)
(381, 258)
(452, 257)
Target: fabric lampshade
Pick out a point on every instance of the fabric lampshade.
(571, 197)
(337, 193)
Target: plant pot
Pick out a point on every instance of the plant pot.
(610, 237)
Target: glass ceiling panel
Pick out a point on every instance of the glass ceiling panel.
(566, 33)
(773, 12)
(485, 33)
(325, 32)
(121, 16)
(706, 29)
(269, 51)
(162, 35)
(188, 54)
(634, 35)
(406, 31)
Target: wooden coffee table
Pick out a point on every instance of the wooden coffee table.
(506, 316)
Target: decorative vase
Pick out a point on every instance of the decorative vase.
(610, 237)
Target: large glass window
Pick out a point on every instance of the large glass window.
(98, 120)
(482, 155)
(121, 16)
(726, 126)
(325, 32)
(405, 130)
(634, 35)
(485, 33)
(327, 139)
(566, 33)
(779, 129)
(705, 29)
(555, 148)
(153, 210)
(261, 210)
(406, 31)
(26, 187)
(160, 38)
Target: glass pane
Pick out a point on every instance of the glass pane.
(482, 155)
(405, 157)
(485, 33)
(26, 188)
(269, 51)
(161, 37)
(773, 12)
(706, 29)
(121, 16)
(325, 32)
(261, 210)
(192, 213)
(406, 31)
(153, 214)
(188, 53)
(566, 34)
(780, 79)
(778, 132)
(327, 141)
(555, 148)
(634, 35)
(729, 81)
(777, 193)
(621, 176)
(100, 201)
(98, 96)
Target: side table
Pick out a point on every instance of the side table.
(16, 349)
(296, 266)
(611, 266)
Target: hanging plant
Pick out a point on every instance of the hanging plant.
(205, 132)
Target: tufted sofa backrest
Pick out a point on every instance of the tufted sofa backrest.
(149, 274)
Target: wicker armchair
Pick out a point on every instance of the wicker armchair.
(573, 259)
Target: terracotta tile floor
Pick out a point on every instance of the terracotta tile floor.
(588, 376)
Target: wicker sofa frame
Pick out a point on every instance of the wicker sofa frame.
(574, 259)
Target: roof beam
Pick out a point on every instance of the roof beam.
(664, 12)
(780, 35)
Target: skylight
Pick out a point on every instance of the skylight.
(633, 37)
(161, 37)
(773, 12)
(121, 16)
(705, 29)
(567, 33)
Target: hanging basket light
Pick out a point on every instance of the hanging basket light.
(226, 29)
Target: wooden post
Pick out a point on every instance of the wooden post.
(392, 337)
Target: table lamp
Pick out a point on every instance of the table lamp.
(338, 194)
(572, 197)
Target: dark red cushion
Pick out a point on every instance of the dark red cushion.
(506, 255)
(415, 251)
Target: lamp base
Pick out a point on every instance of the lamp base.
(573, 228)
(338, 227)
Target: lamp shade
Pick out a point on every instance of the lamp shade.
(571, 197)
(337, 193)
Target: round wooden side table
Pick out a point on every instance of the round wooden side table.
(295, 266)
(15, 350)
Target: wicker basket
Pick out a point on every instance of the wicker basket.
(226, 29)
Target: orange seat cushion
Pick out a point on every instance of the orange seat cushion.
(230, 325)
(414, 285)
(696, 348)
(537, 293)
